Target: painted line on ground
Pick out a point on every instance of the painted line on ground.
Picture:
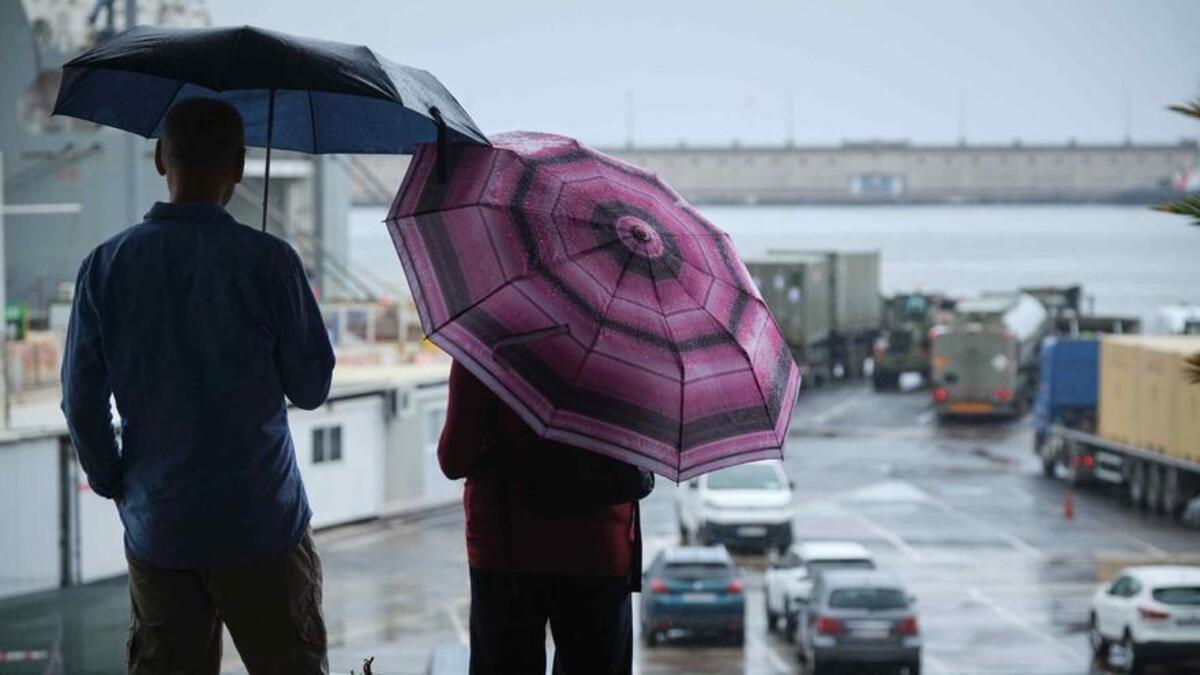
(1064, 650)
(453, 610)
(777, 662)
(983, 526)
(891, 537)
(837, 408)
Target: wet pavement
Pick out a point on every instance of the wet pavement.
(960, 511)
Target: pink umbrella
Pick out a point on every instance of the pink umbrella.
(596, 302)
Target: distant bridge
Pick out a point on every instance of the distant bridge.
(886, 172)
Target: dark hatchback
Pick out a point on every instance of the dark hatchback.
(694, 591)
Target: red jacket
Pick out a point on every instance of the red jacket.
(597, 542)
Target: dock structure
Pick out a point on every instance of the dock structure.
(888, 172)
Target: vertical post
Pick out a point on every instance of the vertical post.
(3, 311)
(267, 169)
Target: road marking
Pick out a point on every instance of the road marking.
(452, 609)
(889, 536)
(925, 418)
(1063, 649)
(981, 525)
(777, 662)
(933, 664)
(838, 408)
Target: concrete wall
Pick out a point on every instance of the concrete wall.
(890, 172)
(29, 515)
(388, 464)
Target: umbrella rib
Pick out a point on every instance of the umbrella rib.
(167, 107)
(533, 272)
(603, 321)
(678, 358)
(312, 118)
(732, 332)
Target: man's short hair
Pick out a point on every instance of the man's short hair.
(202, 133)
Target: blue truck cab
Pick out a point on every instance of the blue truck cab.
(1067, 394)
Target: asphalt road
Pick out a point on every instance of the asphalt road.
(960, 511)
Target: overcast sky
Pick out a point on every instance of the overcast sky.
(703, 71)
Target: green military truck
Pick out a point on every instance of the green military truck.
(903, 343)
(985, 361)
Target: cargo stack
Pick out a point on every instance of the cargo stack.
(1145, 398)
(827, 305)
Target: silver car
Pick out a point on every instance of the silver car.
(859, 617)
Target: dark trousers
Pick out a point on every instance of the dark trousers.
(272, 608)
(589, 616)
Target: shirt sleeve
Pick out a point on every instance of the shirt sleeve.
(86, 392)
(467, 413)
(303, 353)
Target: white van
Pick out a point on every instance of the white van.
(743, 507)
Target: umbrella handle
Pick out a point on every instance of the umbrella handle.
(441, 143)
(524, 338)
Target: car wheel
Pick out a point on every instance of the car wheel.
(1097, 640)
(738, 638)
(912, 667)
(819, 668)
(649, 637)
(1127, 648)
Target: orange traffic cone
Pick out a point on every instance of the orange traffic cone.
(1068, 505)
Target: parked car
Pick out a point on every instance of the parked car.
(693, 590)
(1147, 614)
(789, 579)
(744, 507)
(859, 618)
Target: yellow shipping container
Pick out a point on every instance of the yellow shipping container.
(1118, 387)
(1145, 399)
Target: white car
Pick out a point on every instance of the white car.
(789, 579)
(746, 506)
(1147, 614)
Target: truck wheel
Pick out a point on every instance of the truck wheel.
(1154, 488)
(1172, 492)
(1136, 484)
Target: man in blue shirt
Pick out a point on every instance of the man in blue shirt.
(199, 326)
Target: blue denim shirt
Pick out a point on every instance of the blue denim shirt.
(198, 326)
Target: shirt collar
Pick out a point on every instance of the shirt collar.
(196, 211)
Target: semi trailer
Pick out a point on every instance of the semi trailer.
(827, 304)
(1119, 409)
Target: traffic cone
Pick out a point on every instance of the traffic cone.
(1068, 505)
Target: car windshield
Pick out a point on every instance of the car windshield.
(1178, 595)
(745, 477)
(695, 571)
(850, 564)
(868, 598)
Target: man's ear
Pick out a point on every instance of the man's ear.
(241, 165)
(159, 164)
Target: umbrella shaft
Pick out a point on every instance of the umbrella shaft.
(267, 168)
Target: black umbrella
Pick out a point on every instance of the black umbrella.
(294, 93)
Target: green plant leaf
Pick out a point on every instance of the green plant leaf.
(1191, 108)
(1192, 368)
(1188, 206)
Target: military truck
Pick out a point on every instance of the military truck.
(903, 343)
(827, 305)
(985, 361)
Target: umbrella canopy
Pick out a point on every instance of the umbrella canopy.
(596, 302)
(294, 93)
(330, 97)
